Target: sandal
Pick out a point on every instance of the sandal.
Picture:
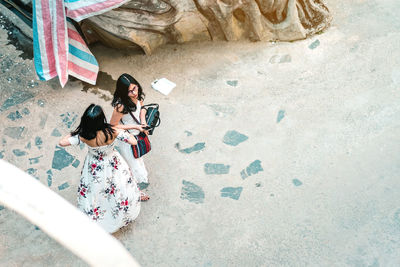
(143, 196)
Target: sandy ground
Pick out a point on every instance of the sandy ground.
(269, 154)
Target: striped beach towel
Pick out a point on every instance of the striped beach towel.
(59, 50)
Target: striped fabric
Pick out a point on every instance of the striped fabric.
(143, 145)
(59, 50)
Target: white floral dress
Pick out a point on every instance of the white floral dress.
(108, 193)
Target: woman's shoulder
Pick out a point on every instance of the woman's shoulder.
(105, 140)
(119, 134)
(116, 131)
(119, 107)
(74, 139)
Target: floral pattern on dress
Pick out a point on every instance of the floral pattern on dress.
(126, 220)
(94, 168)
(111, 189)
(96, 213)
(107, 192)
(99, 156)
(123, 204)
(114, 163)
(83, 190)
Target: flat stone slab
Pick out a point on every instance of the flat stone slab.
(192, 192)
(254, 168)
(231, 192)
(234, 138)
(61, 159)
(216, 168)
(14, 132)
(195, 148)
(17, 98)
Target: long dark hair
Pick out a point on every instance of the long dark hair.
(121, 94)
(92, 121)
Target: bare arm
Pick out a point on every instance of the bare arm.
(64, 141)
(143, 115)
(116, 118)
(125, 137)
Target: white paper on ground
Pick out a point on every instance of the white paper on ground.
(163, 85)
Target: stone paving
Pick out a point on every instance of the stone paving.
(269, 154)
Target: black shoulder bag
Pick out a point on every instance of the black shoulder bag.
(152, 116)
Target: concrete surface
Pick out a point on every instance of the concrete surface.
(23, 27)
(269, 154)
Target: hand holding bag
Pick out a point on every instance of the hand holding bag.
(143, 145)
(153, 119)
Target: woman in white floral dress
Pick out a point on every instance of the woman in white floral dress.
(107, 193)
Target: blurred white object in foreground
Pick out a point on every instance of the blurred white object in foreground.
(163, 85)
(59, 219)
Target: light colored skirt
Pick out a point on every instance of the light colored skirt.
(136, 165)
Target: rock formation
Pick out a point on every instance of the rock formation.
(152, 23)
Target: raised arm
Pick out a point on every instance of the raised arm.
(69, 140)
(143, 112)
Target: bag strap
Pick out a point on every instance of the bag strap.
(159, 121)
(130, 113)
(140, 133)
(134, 119)
(133, 116)
(156, 106)
(150, 105)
